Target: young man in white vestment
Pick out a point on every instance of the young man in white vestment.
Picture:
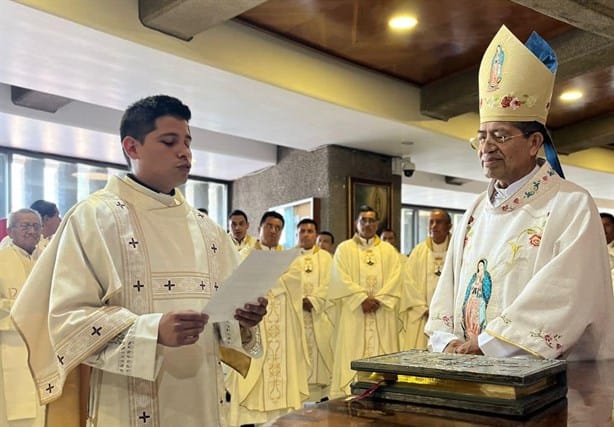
(19, 406)
(315, 266)
(277, 382)
(527, 272)
(419, 276)
(365, 286)
(123, 285)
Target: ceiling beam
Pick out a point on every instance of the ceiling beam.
(596, 132)
(186, 18)
(595, 16)
(578, 52)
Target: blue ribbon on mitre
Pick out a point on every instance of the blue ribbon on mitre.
(542, 50)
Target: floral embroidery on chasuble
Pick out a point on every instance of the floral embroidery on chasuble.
(371, 278)
(501, 249)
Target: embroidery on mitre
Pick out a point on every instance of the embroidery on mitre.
(496, 69)
(510, 101)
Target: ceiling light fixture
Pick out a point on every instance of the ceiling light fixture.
(402, 22)
(571, 95)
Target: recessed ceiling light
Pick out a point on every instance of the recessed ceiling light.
(571, 95)
(402, 22)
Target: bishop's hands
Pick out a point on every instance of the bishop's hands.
(179, 328)
(464, 347)
(370, 305)
(251, 314)
(470, 347)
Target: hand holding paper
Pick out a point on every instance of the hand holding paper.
(252, 314)
(252, 279)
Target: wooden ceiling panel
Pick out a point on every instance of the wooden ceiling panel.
(448, 42)
(597, 99)
(442, 43)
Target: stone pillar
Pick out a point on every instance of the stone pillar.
(322, 174)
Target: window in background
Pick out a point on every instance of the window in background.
(61, 182)
(65, 182)
(212, 196)
(407, 230)
(293, 213)
(4, 186)
(415, 223)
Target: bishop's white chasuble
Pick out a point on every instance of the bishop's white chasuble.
(530, 272)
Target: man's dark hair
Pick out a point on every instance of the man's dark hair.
(139, 119)
(45, 208)
(366, 208)
(388, 230)
(608, 216)
(238, 212)
(204, 210)
(272, 214)
(527, 128)
(307, 221)
(328, 233)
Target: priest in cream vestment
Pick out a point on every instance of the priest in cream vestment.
(238, 227)
(315, 265)
(19, 406)
(277, 382)
(420, 275)
(123, 284)
(365, 285)
(527, 273)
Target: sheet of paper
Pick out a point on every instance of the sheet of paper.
(253, 278)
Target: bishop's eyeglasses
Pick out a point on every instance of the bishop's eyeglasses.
(496, 136)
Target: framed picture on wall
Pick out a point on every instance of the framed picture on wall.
(375, 194)
(293, 212)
